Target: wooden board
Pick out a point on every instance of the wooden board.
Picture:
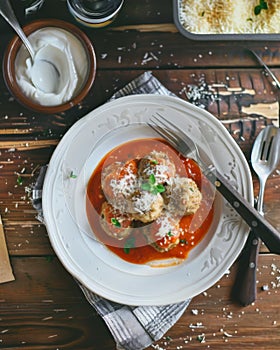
(44, 308)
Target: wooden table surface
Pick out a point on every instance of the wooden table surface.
(43, 308)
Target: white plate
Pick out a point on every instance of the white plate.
(93, 264)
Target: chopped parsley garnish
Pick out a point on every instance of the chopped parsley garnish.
(201, 338)
(115, 222)
(129, 243)
(49, 258)
(262, 6)
(152, 179)
(19, 180)
(152, 186)
(183, 241)
(72, 175)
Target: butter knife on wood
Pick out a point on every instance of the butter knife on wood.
(6, 272)
(272, 76)
(267, 69)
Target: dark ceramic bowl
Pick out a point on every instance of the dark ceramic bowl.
(9, 69)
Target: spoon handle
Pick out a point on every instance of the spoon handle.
(244, 288)
(8, 14)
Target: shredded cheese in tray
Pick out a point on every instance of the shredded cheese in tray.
(230, 17)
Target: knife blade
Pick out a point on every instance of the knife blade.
(267, 69)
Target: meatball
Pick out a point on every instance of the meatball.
(147, 206)
(119, 183)
(182, 196)
(157, 164)
(164, 233)
(114, 223)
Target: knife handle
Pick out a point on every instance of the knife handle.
(262, 228)
(244, 288)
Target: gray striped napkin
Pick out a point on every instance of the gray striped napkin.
(133, 327)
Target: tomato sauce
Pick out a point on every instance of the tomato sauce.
(135, 249)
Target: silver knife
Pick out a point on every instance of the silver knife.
(267, 69)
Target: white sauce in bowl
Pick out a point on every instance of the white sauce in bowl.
(70, 60)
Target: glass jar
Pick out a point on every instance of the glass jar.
(95, 13)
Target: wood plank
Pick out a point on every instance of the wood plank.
(230, 94)
(227, 325)
(41, 310)
(22, 145)
(44, 308)
(123, 48)
(20, 154)
(52, 307)
(27, 236)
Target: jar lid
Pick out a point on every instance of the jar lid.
(94, 11)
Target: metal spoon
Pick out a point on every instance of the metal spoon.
(265, 158)
(45, 75)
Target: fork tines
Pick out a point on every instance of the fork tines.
(174, 135)
(163, 129)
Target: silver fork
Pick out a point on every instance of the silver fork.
(265, 158)
(185, 145)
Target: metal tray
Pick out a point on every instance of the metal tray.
(212, 37)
